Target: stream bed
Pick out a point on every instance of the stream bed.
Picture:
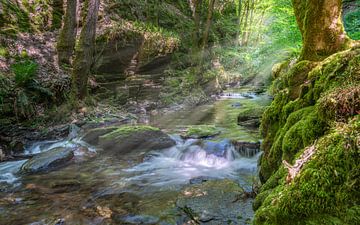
(144, 187)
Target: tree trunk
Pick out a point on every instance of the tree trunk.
(66, 41)
(208, 24)
(57, 13)
(246, 20)
(240, 9)
(321, 28)
(196, 32)
(84, 52)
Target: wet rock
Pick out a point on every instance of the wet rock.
(212, 202)
(128, 138)
(201, 179)
(65, 185)
(236, 105)
(247, 149)
(136, 219)
(92, 136)
(251, 117)
(48, 160)
(217, 148)
(113, 205)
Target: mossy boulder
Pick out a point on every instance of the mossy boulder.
(322, 114)
(335, 73)
(212, 202)
(201, 131)
(326, 189)
(251, 117)
(49, 160)
(92, 136)
(127, 138)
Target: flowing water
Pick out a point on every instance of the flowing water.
(94, 186)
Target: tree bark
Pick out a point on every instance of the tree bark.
(84, 52)
(322, 30)
(196, 32)
(67, 38)
(246, 20)
(57, 13)
(208, 24)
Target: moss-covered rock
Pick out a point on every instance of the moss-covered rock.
(201, 131)
(337, 72)
(323, 114)
(326, 189)
(128, 138)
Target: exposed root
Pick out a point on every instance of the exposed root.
(294, 170)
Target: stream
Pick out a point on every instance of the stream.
(138, 187)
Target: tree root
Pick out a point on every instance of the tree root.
(294, 170)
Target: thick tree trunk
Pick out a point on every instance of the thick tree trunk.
(67, 38)
(84, 52)
(321, 28)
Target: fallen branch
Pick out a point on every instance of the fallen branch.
(294, 170)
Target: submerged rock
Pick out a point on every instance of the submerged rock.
(128, 138)
(217, 148)
(48, 160)
(212, 202)
(201, 179)
(136, 219)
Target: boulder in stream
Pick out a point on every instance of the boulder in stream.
(201, 131)
(211, 202)
(127, 138)
(48, 160)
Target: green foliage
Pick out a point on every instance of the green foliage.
(24, 71)
(352, 23)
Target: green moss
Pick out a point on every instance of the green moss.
(4, 52)
(326, 188)
(202, 131)
(128, 130)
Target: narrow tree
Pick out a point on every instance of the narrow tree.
(84, 52)
(67, 37)
(208, 24)
(321, 28)
(196, 8)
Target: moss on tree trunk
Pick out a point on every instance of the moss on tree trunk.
(84, 52)
(66, 41)
(321, 28)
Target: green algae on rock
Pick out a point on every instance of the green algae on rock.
(127, 138)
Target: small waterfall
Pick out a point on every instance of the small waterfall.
(8, 171)
(187, 160)
(247, 149)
